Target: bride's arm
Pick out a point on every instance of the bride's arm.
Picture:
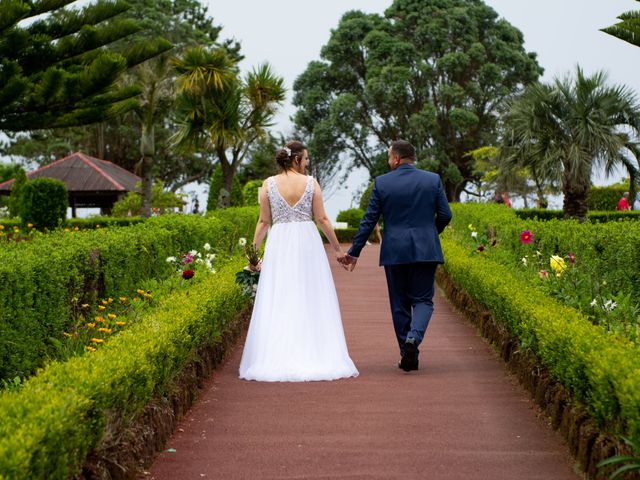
(262, 227)
(320, 216)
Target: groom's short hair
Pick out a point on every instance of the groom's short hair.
(403, 149)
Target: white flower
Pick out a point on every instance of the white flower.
(209, 265)
(193, 253)
(524, 261)
(171, 259)
(242, 241)
(199, 261)
(594, 303)
(538, 253)
(211, 256)
(474, 234)
(254, 288)
(207, 247)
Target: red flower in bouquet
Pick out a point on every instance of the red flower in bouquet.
(187, 274)
(572, 258)
(526, 237)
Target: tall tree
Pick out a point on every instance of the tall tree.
(432, 72)
(571, 126)
(54, 70)
(628, 29)
(138, 140)
(221, 111)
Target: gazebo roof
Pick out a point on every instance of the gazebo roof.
(82, 174)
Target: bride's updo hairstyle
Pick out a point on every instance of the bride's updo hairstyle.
(291, 154)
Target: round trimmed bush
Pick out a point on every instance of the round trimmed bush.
(352, 217)
(250, 193)
(44, 203)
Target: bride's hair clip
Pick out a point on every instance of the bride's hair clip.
(288, 150)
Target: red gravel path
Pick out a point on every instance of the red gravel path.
(460, 417)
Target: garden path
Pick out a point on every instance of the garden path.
(461, 416)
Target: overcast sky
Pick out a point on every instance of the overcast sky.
(290, 33)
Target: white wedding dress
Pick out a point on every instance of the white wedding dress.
(296, 331)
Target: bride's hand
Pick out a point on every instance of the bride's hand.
(255, 268)
(341, 257)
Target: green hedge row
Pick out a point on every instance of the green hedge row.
(599, 370)
(611, 250)
(345, 235)
(82, 223)
(592, 216)
(48, 426)
(41, 280)
(605, 198)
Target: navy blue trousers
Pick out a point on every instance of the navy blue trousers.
(411, 289)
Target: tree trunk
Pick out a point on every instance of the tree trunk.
(453, 191)
(576, 196)
(147, 151)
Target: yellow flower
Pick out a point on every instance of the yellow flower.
(89, 349)
(557, 264)
(111, 315)
(29, 225)
(67, 334)
(91, 325)
(104, 302)
(123, 299)
(98, 225)
(104, 330)
(1, 227)
(110, 300)
(147, 295)
(120, 324)
(99, 318)
(102, 308)
(75, 229)
(140, 292)
(67, 230)
(85, 305)
(97, 340)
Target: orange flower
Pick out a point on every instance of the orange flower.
(67, 334)
(102, 308)
(99, 319)
(89, 349)
(123, 299)
(1, 227)
(111, 315)
(29, 225)
(140, 292)
(120, 324)
(105, 330)
(97, 340)
(75, 229)
(91, 325)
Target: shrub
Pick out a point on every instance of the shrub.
(352, 217)
(592, 216)
(44, 203)
(250, 193)
(214, 191)
(161, 201)
(39, 280)
(48, 426)
(598, 369)
(15, 199)
(605, 198)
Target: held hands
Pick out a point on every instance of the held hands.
(347, 261)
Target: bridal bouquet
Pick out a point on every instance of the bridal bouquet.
(248, 277)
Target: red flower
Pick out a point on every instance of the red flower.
(187, 274)
(480, 248)
(526, 237)
(572, 258)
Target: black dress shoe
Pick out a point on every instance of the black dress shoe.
(409, 359)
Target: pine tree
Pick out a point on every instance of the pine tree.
(15, 200)
(54, 69)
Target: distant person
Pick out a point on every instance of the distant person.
(497, 198)
(623, 203)
(636, 204)
(505, 200)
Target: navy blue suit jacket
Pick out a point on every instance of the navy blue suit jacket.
(415, 210)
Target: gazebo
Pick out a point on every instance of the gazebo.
(91, 182)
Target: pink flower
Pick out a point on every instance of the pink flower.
(543, 274)
(572, 258)
(188, 258)
(187, 274)
(526, 237)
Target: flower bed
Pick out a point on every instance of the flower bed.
(597, 369)
(81, 411)
(42, 280)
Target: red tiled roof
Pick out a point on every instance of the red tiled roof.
(83, 173)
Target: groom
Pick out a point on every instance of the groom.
(415, 210)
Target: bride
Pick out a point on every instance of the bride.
(296, 331)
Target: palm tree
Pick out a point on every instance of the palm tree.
(223, 112)
(569, 127)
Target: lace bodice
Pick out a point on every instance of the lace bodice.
(282, 212)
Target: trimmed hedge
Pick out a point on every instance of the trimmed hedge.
(48, 427)
(44, 203)
(345, 235)
(599, 370)
(592, 216)
(352, 217)
(605, 198)
(40, 280)
(612, 250)
(83, 223)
